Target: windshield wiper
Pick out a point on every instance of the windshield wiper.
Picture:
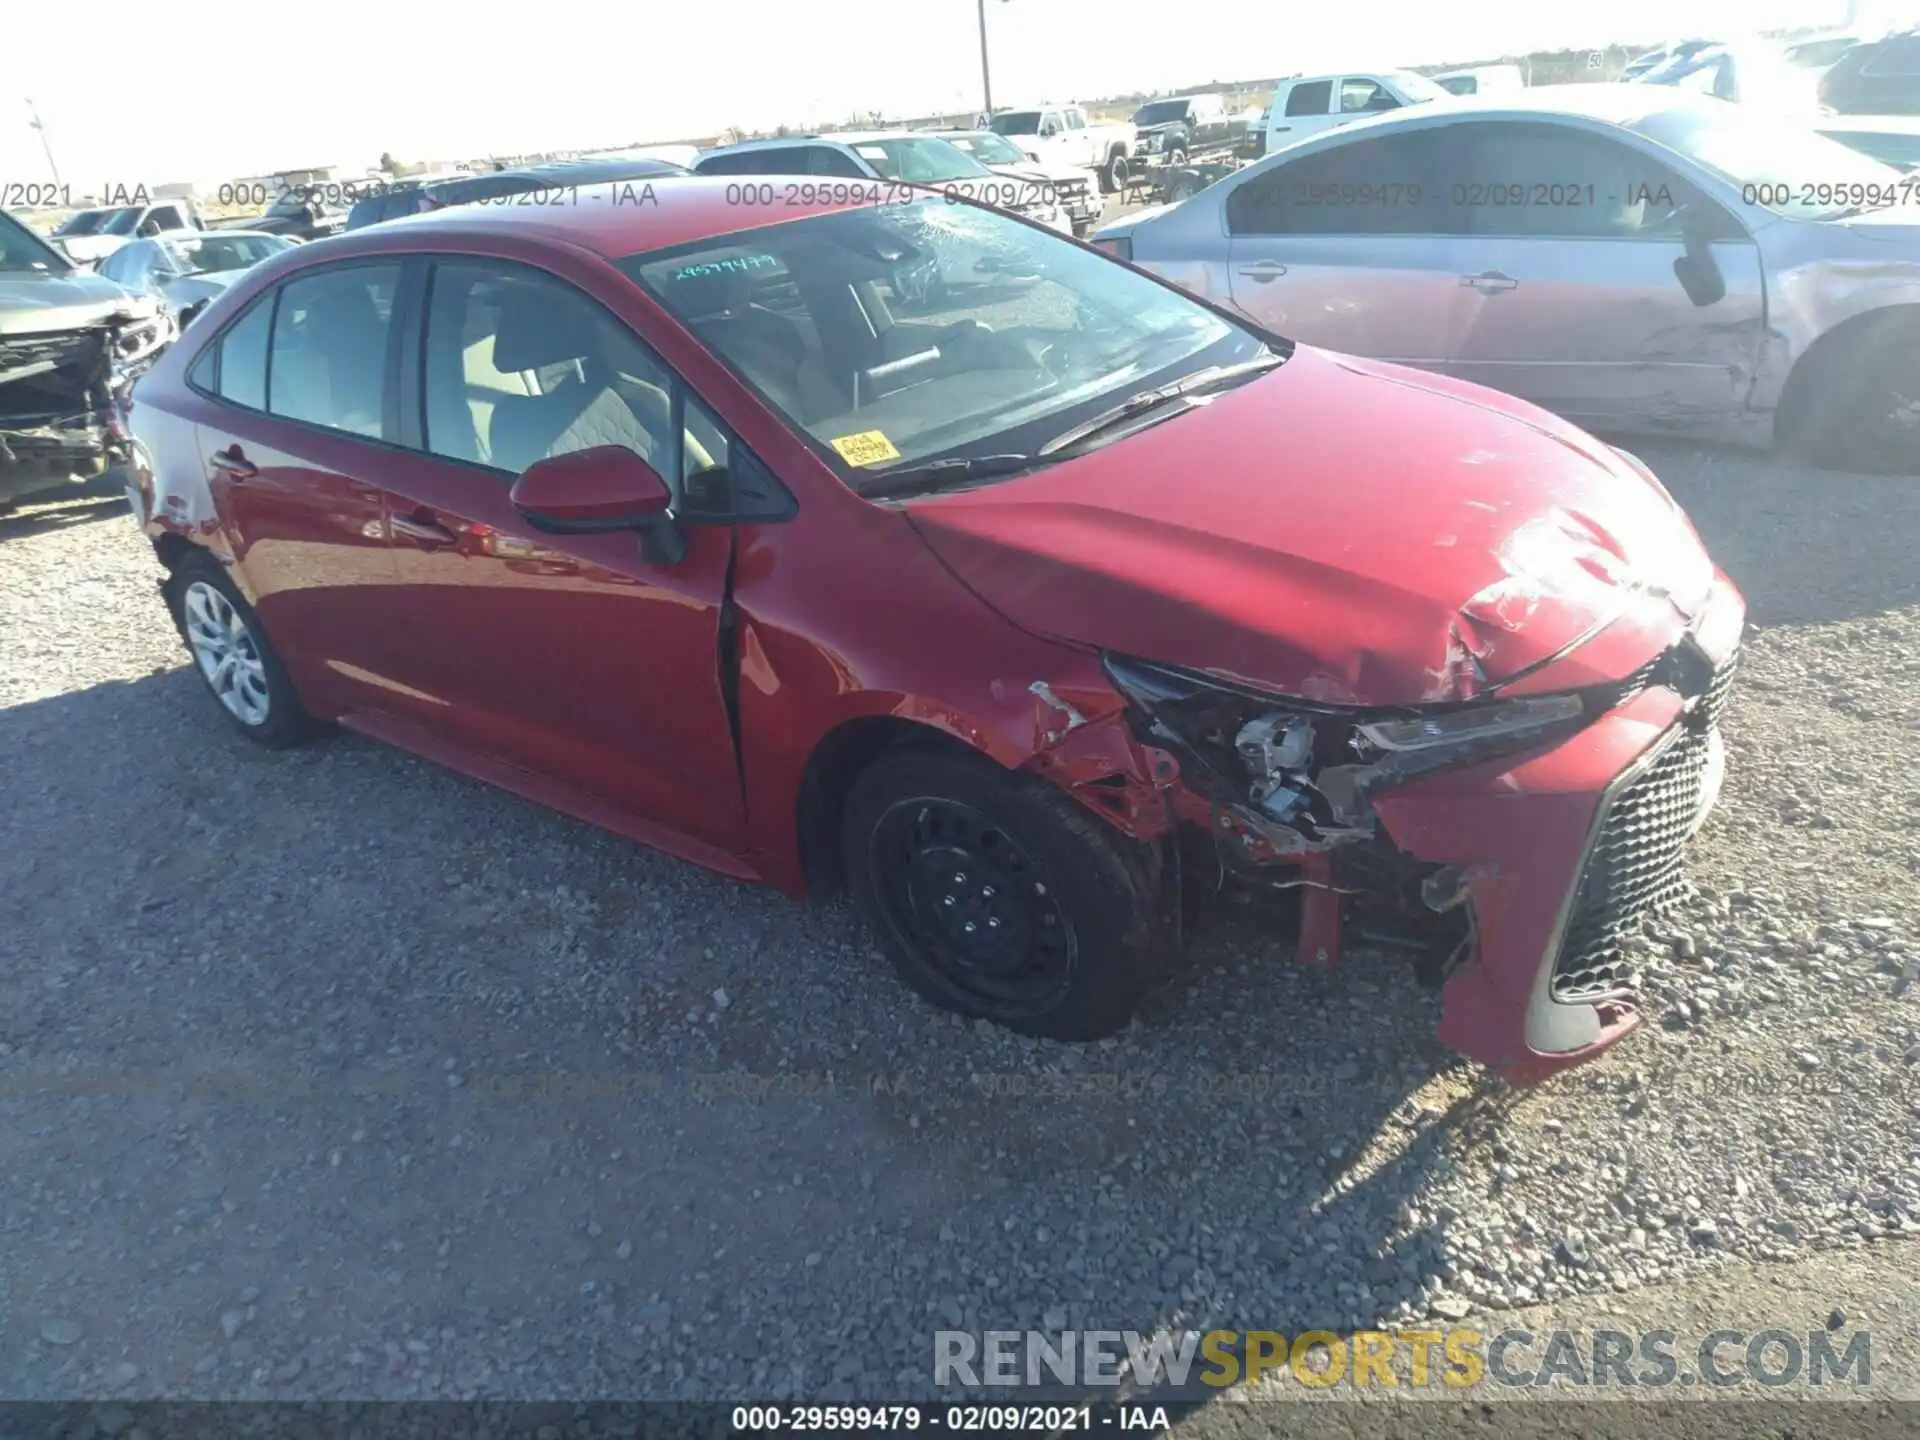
(1212, 377)
(939, 474)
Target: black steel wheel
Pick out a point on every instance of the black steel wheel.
(997, 896)
(974, 903)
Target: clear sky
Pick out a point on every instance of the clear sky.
(138, 93)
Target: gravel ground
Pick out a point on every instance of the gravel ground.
(330, 1073)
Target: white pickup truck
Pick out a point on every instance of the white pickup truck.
(1062, 135)
(1307, 104)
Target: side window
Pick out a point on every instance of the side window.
(240, 358)
(788, 160)
(521, 366)
(1310, 97)
(327, 363)
(1554, 182)
(1361, 96)
(1389, 185)
(826, 160)
(1076, 119)
(721, 165)
(703, 463)
(169, 217)
(1050, 123)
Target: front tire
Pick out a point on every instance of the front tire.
(241, 669)
(1861, 409)
(994, 895)
(1113, 175)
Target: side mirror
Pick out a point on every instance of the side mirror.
(605, 488)
(1697, 271)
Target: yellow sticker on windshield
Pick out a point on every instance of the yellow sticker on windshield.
(869, 447)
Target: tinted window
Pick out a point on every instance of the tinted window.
(1553, 181)
(826, 160)
(521, 366)
(1310, 98)
(1385, 186)
(329, 354)
(1016, 122)
(242, 355)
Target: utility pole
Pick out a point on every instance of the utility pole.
(47, 145)
(986, 78)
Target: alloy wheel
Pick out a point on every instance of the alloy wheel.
(227, 653)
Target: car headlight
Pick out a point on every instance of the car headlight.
(1475, 722)
(1313, 765)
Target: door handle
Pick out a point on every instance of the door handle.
(419, 526)
(1263, 270)
(1492, 282)
(233, 464)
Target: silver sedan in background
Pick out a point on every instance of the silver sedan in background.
(1634, 259)
(187, 268)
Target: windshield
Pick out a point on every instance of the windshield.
(1788, 168)
(213, 254)
(21, 249)
(989, 148)
(897, 335)
(87, 222)
(293, 202)
(1160, 112)
(925, 160)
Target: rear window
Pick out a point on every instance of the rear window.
(1017, 122)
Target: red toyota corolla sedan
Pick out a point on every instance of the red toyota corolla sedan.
(879, 540)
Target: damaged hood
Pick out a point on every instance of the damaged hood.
(1344, 530)
(36, 302)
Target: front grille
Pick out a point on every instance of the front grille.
(1637, 865)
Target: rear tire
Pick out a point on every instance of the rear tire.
(994, 895)
(1113, 175)
(234, 658)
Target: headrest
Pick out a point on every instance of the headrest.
(536, 330)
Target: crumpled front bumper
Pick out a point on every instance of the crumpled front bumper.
(1526, 836)
(42, 451)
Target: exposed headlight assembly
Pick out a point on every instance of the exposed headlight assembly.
(1470, 723)
(1311, 765)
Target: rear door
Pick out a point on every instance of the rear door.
(574, 657)
(294, 436)
(1347, 248)
(1299, 110)
(1571, 296)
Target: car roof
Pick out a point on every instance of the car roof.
(606, 219)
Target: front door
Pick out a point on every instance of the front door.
(573, 657)
(1572, 299)
(1338, 249)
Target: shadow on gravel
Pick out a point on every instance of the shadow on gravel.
(1806, 546)
(407, 1007)
(40, 518)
